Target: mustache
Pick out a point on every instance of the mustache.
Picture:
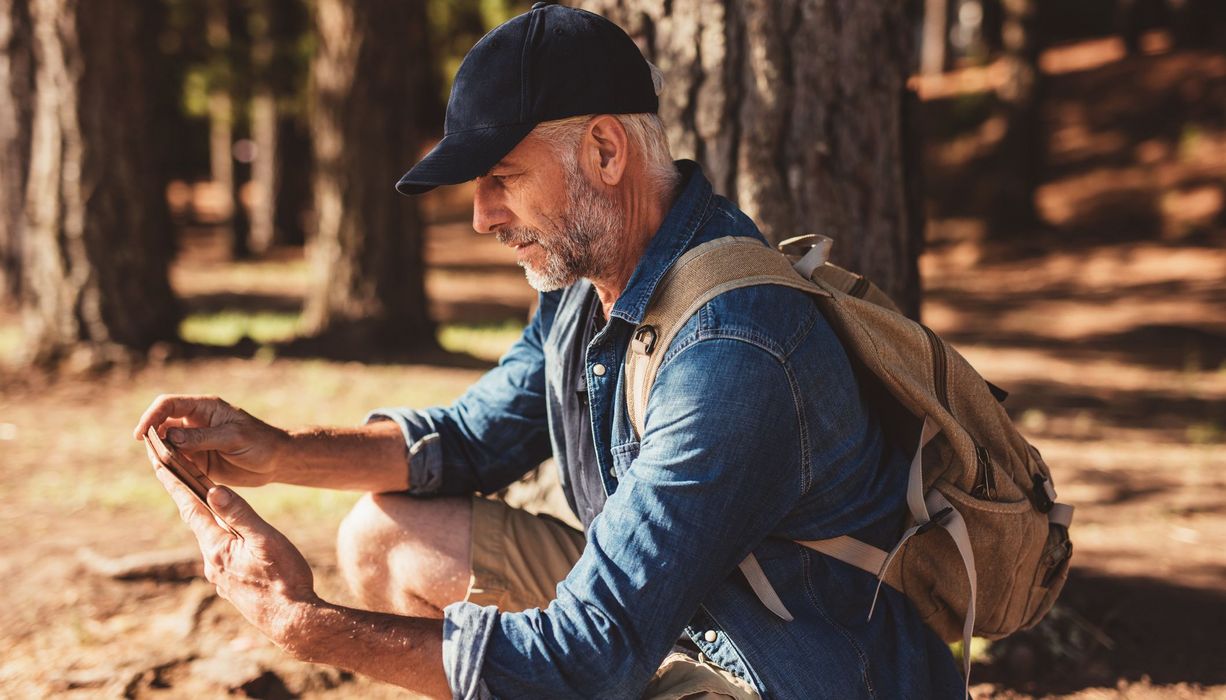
(517, 236)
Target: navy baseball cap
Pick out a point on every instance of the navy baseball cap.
(550, 63)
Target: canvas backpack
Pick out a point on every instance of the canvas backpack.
(1005, 554)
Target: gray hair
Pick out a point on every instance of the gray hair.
(646, 133)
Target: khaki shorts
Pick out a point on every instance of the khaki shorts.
(517, 561)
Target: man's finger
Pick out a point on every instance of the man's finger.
(222, 438)
(175, 406)
(213, 538)
(237, 513)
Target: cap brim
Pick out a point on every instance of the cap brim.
(462, 156)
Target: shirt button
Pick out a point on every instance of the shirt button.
(598, 370)
(613, 472)
(711, 635)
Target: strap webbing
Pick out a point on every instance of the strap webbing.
(762, 587)
(849, 550)
(1060, 514)
(955, 525)
(701, 274)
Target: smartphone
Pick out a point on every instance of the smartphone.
(185, 471)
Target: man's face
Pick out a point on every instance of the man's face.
(561, 226)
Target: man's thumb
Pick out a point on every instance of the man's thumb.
(237, 513)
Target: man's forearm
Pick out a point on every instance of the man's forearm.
(405, 651)
(371, 457)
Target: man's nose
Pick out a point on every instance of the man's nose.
(489, 211)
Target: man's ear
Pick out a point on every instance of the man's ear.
(606, 147)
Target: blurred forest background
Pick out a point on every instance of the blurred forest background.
(196, 196)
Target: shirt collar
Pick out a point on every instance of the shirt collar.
(675, 235)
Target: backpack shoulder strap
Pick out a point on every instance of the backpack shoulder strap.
(701, 274)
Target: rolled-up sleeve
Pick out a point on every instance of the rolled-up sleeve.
(466, 631)
(678, 524)
(490, 436)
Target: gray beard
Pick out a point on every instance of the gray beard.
(587, 244)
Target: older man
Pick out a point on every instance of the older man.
(755, 435)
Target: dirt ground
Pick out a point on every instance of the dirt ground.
(1108, 328)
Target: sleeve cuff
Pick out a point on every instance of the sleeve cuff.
(424, 452)
(466, 632)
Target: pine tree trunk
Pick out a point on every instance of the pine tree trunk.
(16, 98)
(281, 170)
(1020, 155)
(264, 170)
(367, 252)
(797, 110)
(294, 168)
(935, 40)
(221, 126)
(95, 264)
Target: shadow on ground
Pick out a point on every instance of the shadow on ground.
(1109, 628)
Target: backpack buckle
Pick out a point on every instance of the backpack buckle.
(936, 520)
(1043, 494)
(644, 341)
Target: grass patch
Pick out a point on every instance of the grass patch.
(979, 650)
(228, 327)
(488, 341)
(1205, 433)
(10, 342)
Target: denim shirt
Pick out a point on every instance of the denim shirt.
(755, 435)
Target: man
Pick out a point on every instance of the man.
(755, 435)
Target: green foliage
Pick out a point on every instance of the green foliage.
(456, 25)
(488, 341)
(228, 327)
(979, 650)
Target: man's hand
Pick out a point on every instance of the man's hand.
(230, 445)
(260, 572)
(263, 575)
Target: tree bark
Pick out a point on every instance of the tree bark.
(293, 193)
(370, 66)
(221, 126)
(935, 40)
(1020, 155)
(797, 111)
(95, 264)
(274, 29)
(16, 98)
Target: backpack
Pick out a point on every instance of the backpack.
(1006, 553)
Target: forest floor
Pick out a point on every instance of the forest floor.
(1107, 326)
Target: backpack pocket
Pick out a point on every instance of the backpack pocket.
(1050, 575)
(1006, 538)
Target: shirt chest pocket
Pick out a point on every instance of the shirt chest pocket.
(623, 456)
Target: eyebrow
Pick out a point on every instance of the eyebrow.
(505, 163)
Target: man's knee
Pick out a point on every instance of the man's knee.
(360, 544)
(391, 546)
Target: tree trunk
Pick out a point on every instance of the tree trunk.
(367, 252)
(16, 98)
(1020, 155)
(935, 39)
(293, 193)
(796, 109)
(264, 169)
(94, 259)
(281, 170)
(221, 126)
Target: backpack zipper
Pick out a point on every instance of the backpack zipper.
(939, 367)
(985, 481)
